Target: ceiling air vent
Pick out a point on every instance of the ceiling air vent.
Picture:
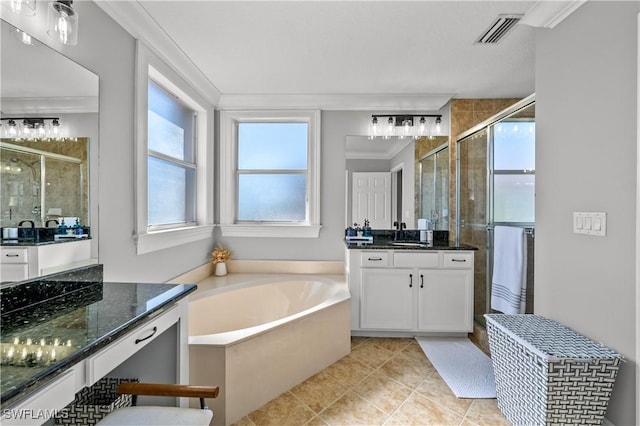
(498, 29)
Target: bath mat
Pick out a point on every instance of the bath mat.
(465, 368)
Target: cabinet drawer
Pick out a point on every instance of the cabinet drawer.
(458, 260)
(115, 354)
(418, 259)
(374, 258)
(14, 272)
(14, 255)
(52, 397)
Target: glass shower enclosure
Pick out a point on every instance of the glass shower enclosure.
(37, 185)
(434, 187)
(496, 186)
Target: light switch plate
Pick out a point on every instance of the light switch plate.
(590, 223)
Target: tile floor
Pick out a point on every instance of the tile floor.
(383, 381)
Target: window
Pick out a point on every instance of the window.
(173, 162)
(171, 168)
(514, 172)
(270, 171)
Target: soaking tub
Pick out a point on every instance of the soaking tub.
(258, 335)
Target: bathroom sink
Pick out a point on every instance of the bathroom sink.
(408, 244)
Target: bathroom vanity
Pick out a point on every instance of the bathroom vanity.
(402, 289)
(65, 331)
(21, 260)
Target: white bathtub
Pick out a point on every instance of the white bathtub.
(258, 335)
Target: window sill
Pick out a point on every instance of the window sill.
(271, 231)
(159, 240)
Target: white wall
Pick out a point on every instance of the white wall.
(109, 51)
(586, 132)
(407, 159)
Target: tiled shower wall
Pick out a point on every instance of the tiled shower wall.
(62, 189)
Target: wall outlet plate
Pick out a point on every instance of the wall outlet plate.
(590, 223)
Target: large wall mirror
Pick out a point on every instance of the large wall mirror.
(49, 130)
(397, 180)
(379, 181)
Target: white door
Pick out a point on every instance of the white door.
(371, 199)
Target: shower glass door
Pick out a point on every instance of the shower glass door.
(434, 188)
(496, 186)
(472, 208)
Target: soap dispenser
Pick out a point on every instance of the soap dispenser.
(62, 228)
(77, 228)
(366, 229)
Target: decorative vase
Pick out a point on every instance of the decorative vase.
(221, 269)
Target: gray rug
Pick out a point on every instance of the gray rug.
(464, 367)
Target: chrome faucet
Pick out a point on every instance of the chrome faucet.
(398, 234)
(46, 224)
(33, 225)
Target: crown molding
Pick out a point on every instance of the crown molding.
(132, 16)
(548, 14)
(338, 102)
(51, 105)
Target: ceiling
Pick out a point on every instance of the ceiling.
(345, 47)
(343, 54)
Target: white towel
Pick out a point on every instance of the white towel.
(509, 282)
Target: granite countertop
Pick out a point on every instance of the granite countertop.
(27, 243)
(407, 240)
(407, 245)
(51, 323)
(28, 237)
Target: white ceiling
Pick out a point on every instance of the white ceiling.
(351, 47)
(344, 54)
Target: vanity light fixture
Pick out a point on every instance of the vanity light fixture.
(62, 22)
(405, 123)
(23, 37)
(22, 7)
(33, 128)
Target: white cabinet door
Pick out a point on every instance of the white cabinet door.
(371, 199)
(445, 300)
(387, 299)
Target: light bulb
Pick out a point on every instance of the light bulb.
(23, 7)
(406, 127)
(423, 127)
(13, 129)
(23, 37)
(62, 22)
(438, 125)
(390, 127)
(41, 131)
(55, 129)
(374, 127)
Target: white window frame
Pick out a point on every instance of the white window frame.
(150, 239)
(229, 121)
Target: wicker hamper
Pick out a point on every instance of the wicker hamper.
(546, 373)
(93, 403)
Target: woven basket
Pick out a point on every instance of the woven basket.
(546, 373)
(93, 403)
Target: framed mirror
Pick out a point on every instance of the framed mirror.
(49, 128)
